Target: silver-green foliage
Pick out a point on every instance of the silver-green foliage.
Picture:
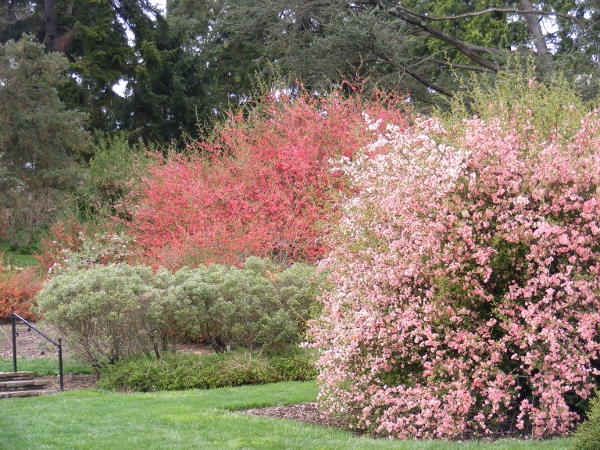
(116, 311)
(110, 312)
(256, 306)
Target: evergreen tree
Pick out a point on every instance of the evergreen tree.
(419, 45)
(39, 138)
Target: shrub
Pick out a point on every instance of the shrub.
(262, 185)
(466, 278)
(186, 371)
(73, 245)
(114, 171)
(257, 306)
(18, 288)
(110, 312)
(588, 432)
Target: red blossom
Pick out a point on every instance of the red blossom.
(263, 185)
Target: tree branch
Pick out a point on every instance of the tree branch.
(460, 66)
(421, 79)
(523, 12)
(465, 48)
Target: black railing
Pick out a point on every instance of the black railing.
(14, 317)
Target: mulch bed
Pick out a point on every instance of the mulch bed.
(72, 381)
(303, 412)
(309, 413)
(30, 345)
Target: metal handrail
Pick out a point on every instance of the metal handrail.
(14, 317)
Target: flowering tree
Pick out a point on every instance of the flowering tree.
(263, 185)
(466, 278)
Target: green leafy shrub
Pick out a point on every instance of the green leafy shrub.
(257, 306)
(588, 432)
(188, 371)
(110, 312)
(113, 172)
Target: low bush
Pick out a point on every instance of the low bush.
(588, 432)
(110, 312)
(188, 371)
(257, 306)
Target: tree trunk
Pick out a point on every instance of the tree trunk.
(535, 31)
(51, 25)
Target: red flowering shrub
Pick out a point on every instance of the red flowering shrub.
(18, 287)
(466, 278)
(261, 186)
(63, 236)
(72, 245)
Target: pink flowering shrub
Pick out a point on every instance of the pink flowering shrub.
(467, 281)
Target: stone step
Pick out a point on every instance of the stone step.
(32, 393)
(22, 385)
(8, 376)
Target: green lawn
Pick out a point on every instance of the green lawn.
(45, 366)
(206, 419)
(17, 259)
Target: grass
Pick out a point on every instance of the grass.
(94, 419)
(16, 258)
(45, 366)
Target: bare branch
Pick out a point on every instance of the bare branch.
(421, 79)
(523, 12)
(460, 66)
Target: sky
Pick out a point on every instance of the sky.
(160, 3)
(119, 88)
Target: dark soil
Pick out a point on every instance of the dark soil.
(303, 412)
(30, 345)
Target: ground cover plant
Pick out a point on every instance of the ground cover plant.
(194, 419)
(465, 274)
(188, 371)
(261, 185)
